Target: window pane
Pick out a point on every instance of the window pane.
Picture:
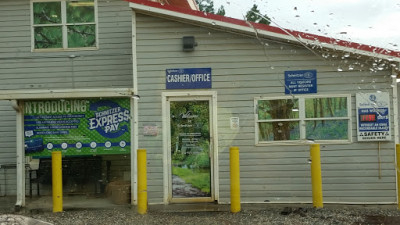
(80, 12)
(278, 109)
(326, 107)
(47, 12)
(277, 131)
(327, 130)
(81, 36)
(48, 37)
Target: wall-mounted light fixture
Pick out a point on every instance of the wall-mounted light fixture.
(188, 43)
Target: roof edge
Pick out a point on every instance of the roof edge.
(265, 30)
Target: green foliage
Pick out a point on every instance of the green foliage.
(221, 11)
(327, 130)
(326, 107)
(47, 13)
(198, 161)
(198, 178)
(178, 157)
(278, 109)
(81, 36)
(254, 15)
(206, 5)
(200, 124)
(78, 35)
(48, 37)
(315, 108)
(273, 131)
(80, 14)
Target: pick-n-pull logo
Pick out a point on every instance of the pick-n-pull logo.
(107, 122)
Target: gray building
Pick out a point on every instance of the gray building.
(193, 84)
(271, 93)
(58, 50)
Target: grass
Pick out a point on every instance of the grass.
(198, 179)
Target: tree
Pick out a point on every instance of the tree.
(221, 11)
(254, 15)
(206, 5)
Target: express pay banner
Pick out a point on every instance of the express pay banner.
(77, 126)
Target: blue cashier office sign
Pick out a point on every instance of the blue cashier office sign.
(192, 78)
(301, 82)
(373, 116)
(77, 126)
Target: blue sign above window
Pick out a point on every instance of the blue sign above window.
(300, 82)
(192, 78)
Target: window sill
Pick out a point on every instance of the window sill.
(66, 49)
(303, 142)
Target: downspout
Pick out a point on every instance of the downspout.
(395, 122)
(20, 156)
(135, 127)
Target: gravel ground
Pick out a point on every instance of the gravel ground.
(258, 214)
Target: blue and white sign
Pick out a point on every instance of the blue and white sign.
(192, 78)
(373, 116)
(300, 82)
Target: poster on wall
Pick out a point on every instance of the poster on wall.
(190, 149)
(77, 126)
(373, 116)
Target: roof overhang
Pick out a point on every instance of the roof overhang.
(64, 93)
(260, 30)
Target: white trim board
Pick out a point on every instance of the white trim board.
(65, 93)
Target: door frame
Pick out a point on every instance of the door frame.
(212, 95)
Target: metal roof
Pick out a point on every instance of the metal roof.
(176, 9)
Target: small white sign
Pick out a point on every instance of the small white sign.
(150, 130)
(235, 123)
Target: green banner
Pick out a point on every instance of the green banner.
(77, 126)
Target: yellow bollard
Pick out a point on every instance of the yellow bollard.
(398, 173)
(142, 181)
(235, 179)
(56, 166)
(316, 177)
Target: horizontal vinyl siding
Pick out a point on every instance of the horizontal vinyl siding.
(108, 67)
(244, 68)
(7, 134)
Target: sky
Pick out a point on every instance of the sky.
(371, 22)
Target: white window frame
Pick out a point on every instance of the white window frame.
(302, 120)
(64, 29)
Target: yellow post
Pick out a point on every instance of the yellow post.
(142, 181)
(398, 173)
(316, 177)
(56, 165)
(235, 179)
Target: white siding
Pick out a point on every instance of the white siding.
(244, 68)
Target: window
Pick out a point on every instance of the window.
(295, 119)
(64, 24)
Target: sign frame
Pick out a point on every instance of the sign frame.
(78, 126)
(301, 82)
(373, 116)
(188, 78)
